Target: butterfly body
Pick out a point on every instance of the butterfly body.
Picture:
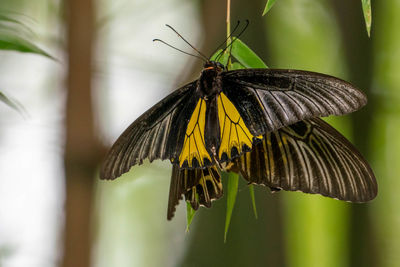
(209, 86)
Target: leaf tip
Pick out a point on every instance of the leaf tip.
(367, 10)
(190, 212)
(268, 6)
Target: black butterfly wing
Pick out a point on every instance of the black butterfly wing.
(200, 187)
(312, 157)
(157, 134)
(269, 99)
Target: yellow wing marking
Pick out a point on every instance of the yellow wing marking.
(234, 133)
(194, 145)
(208, 188)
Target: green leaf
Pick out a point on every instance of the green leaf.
(268, 6)
(222, 58)
(233, 182)
(12, 103)
(190, 212)
(8, 22)
(215, 55)
(15, 36)
(366, 6)
(237, 66)
(253, 200)
(9, 41)
(246, 56)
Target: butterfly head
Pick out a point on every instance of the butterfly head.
(213, 66)
(210, 79)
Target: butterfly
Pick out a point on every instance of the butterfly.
(261, 123)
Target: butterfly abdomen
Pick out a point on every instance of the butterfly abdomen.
(212, 128)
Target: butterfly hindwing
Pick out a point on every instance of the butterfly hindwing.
(235, 137)
(200, 187)
(268, 99)
(193, 152)
(312, 157)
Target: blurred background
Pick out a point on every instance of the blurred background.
(54, 210)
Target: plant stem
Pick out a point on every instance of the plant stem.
(228, 29)
(228, 19)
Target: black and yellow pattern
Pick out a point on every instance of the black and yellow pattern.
(309, 156)
(312, 157)
(199, 186)
(194, 152)
(235, 136)
(259, 122)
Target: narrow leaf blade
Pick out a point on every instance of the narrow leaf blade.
(268, 6)
(12, 103)
(233, 183)
(253, 200)
(366, 6)
(190, 212)
(245, 56)
(14, 23)
(15, 43)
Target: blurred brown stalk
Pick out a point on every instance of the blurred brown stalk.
(82, 151)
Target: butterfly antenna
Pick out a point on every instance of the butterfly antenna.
(173, 47)
(234, 39)
(244, 29)
(230, 52)
(230, 35)
(201, 54)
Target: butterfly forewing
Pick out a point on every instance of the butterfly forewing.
(268, 99)
(312, 157)
(158, 134)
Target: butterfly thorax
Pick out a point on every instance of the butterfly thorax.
(210, 82)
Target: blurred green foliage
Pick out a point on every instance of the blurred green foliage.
(233, 183)
(11, 38)
(385, 126)
(16, 36)
(316, 227)
(366, 6)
